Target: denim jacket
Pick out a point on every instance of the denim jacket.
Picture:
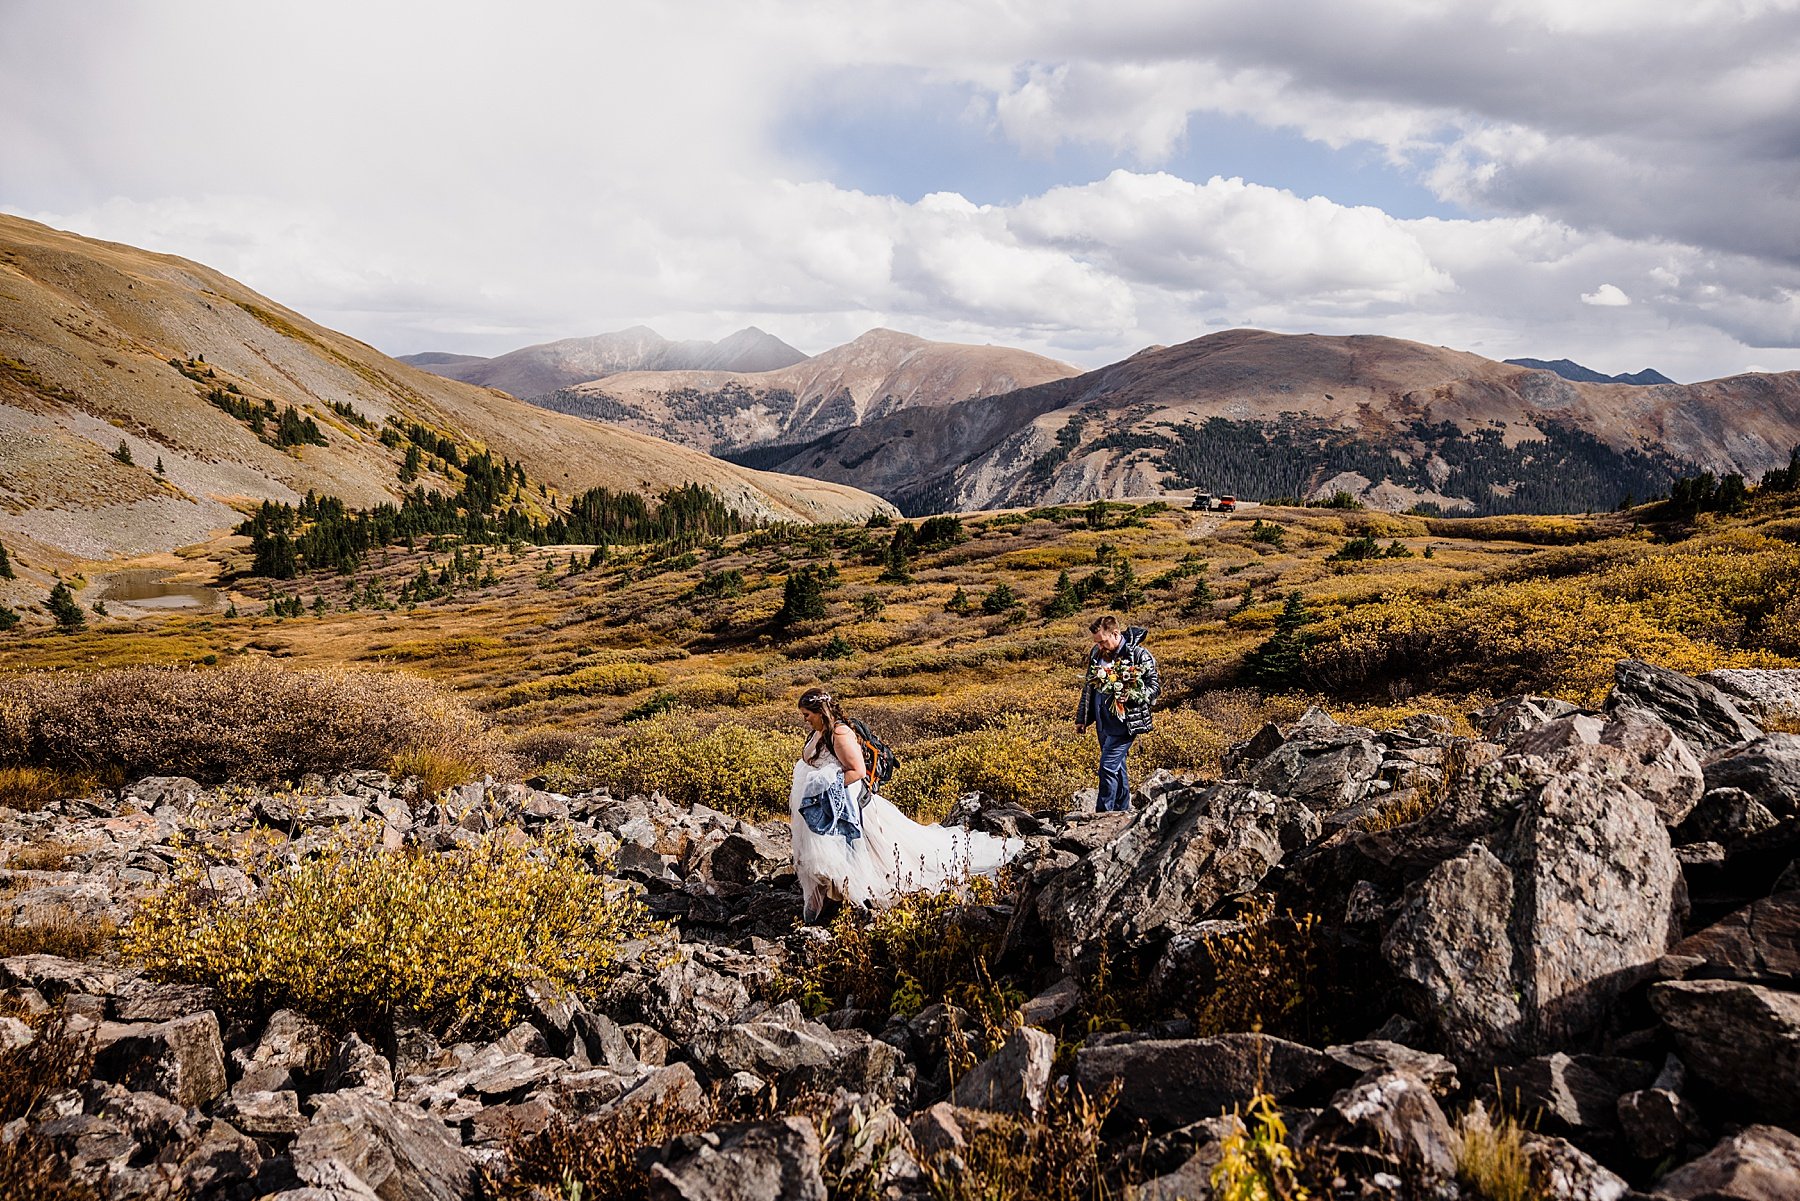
(830, 809)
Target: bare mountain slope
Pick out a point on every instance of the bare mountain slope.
(879, 373)
(101, 344)
(532, 371)
(1265, 414)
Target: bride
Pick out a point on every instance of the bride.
(857, 847)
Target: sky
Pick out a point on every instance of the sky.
(1614, 181)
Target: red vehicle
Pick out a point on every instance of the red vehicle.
(1228, 504)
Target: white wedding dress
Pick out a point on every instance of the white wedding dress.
(895, 854)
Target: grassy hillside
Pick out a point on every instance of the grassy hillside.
(657, 666)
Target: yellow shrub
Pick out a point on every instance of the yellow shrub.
(605, 679)
(1490, 1157)
(731, 767)
(1182, 741)
(251, 721)
(29, 789)
(1262, 976)
(1028, 761)
(357, 933)
(1256, 1163)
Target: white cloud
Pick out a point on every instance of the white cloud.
(462, 176)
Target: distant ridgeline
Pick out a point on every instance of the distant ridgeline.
(1568, 471)
(324, 534)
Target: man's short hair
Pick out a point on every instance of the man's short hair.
(1106, 624)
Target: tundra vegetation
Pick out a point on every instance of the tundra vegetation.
(505, 820)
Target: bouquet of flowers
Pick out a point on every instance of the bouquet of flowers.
(1121, 683)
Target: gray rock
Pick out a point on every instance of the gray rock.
(1759, 692)
(1701, 714)
(55, 977)
(1326, 769)
(1644, 752)
(290, 1054)
(183, 1060)
(782, 1045)
(1053, 1004)
(1568, 1093)
(1174, 1082)
(1387, 1121)
(768, 1161)
(1015, 1079)
(1601, 899)
(1380, 1055)
(684, 998)
(1767, 768)
(1742, 1040)
(265, 1115)
(604, 1041)
(1568, 1173)
(1515, 958)
(143, 1000)
(1506, 720)
(1727, 816)
(295, 811)
(1657, 1123)
(358, 1067)
(395, 1151)
(1759, 942)
(1758, 1163)
(1451, 941)
(1181, 856)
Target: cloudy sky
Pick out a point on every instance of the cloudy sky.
(1616, 181)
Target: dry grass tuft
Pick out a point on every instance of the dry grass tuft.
(1056, 1157)
(1491, 1160)
(29, 789)
(47, 856)
(54, 1060)
(58, 933)
(1264, 975)
(733, 768)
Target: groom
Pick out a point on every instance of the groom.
(1111, 644)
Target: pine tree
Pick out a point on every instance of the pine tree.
(6, 567)
(999, 599)
(62, 606)
(159, 466)
(959, 602)
(1278, 662)
(123, 454)
(8, 618)
(1064, 600)
(802, 598)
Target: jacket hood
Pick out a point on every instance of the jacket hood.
(1134, 636)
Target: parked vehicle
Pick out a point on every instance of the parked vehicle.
(1228, 504)
(1203, 500)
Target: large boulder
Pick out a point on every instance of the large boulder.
(1174, 1082)
(1706, 718)
(1525, 947)
(1641, 750)
(1761, 693)
(394, 1151)
(768, 1161)
(782, 1045)
(1758, 1163)
(1184, 853)
(1741, 1040)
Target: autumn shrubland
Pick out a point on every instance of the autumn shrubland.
(657, 668)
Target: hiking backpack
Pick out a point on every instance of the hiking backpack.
(879, 759)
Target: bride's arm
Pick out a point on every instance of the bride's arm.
(849, 754)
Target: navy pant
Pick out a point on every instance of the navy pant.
(1115, 785)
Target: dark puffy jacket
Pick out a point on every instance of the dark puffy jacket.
(1137, 717)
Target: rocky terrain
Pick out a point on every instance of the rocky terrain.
(1395, 423)
(1586, 916)
(533, 371)
(881, 373)
(133, 394)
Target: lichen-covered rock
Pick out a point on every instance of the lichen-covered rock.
(1706, 718)
(1640, 748)
(1740, 1039)
(1758, 942)
(1758, 1163)
(768, 1161)
(1181, 856)
(1015, 1079)
(183, 1060)
(1388, 1121)
(1174, 1082)
(394, 1150)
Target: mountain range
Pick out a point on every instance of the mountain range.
(1571, 370)
(1394, 423)
(880, 373)
(533, 371)
(145, 402)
